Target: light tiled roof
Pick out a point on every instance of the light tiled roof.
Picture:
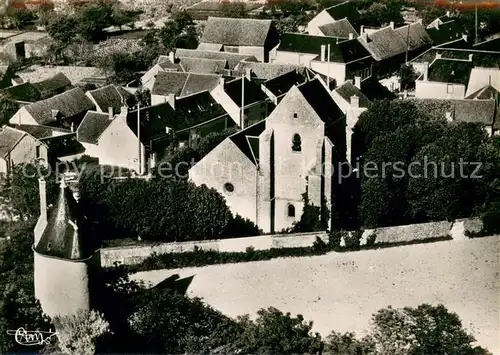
(9, 137)
(202, 65)
(266, 71)
(210, 47)
(341, 28)
(41, 132)
(384, 43)
(236, 31)
(111, 96)
(477, 111)
(55, 84)
(347, 90)
(182, 84)
(416, 37)
(75, 74)
(92, 126)
(232, 58)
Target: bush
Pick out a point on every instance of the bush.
(335, 239)
(371, 240)
(353, 240)
(241, 227)
(319, 245)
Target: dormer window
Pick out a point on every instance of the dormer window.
(296, 143)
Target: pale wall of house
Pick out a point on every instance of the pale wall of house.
(436, 90)
(3, 166)
(150, 74)
(25, 151)
(320, 19)
(225, 101)
(92, 150)
(304, 59)
(158, 99)
(22, 116)
(227, 164)
(119, 146)
(335, 71)
(257, 52)
(489, 130)
(481, 77)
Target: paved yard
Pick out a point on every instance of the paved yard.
(341, 291)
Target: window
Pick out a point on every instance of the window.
(291, 211)
(296, 143)
(38, 152)
(449, 89)
(295, 115)
(228, 187)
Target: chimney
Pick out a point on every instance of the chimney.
(426, 71)
(448, 13)
(111, 114)
(171, 56)
(42, 185)
(171, 100)
(439, 55)
(351, 35)
(355, 101)
(222, 81)
(357, 82)
(323, 52)
(470, 57)
(362, 30)
(464, 37)
(364, 36)
(72, 126)
(391, 24)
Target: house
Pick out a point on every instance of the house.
(52, 86)
(348, 58)
(19, 45)
(110, 96)
(441, 20)
(374, 90)
(338, 19)
(23, 93)
(445, 32)
(242, 94)
(19, 147)
(482, 77)
(203, 65)
(91, 128)
(76, 74)
(276, 88)
(444, 79)
(63, 148)
(264, 71)
(240, 35)
(167, 85)
(64, 110)
(264, 170)
(202, 10)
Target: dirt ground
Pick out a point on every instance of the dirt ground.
(341, 291)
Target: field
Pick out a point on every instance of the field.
(341, 291)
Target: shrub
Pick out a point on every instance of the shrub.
(353, 240)
(335, 238)
(319, 245)
(371, 240)
(241, 227)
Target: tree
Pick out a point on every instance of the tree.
(348, 344)
(313, 219)
(380, 14)
(63, 29)
(179, 32)
(426, 329)
(408, 77)
(429, 13)
(232, 9)
(8, 108)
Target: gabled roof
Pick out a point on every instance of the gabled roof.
(9, 137)
(283, 83)
(321, 101)
(153, 121)
(247, 140)
(384, 43)
(54, 84)
(23, 92)
(69, 104)
(182, 84)
(450, 71)
(202, 65)
(253, 91)
(340, 52)
(414, 36)
(111, 96)
(236, 31)
(341, 28)
(266, 71)
(347, 90)
(344, 10)
(63, 237)
(92, 126)
(446, 32)
(373, 90)
(477, 111)
(232, 58)
(488, 92)
(41, 132)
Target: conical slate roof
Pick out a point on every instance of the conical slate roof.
(62, 237)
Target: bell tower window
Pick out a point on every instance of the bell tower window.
(291, 211)
(296, 143)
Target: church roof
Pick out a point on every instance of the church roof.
(62, 237)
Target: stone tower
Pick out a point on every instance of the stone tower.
(66, 259)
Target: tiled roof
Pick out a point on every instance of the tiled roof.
(373, 90)
(153, 120)
(232, 58)
(283, 83)
(61, 238)
(69, 104)
(41, 132)
(202, 65)
(210, 47)
(236, 31)
(22, 92)
(64, 145)
(75, 74)
(488, 92)
(196, 83)
(478, 111)
(266, 71)
(340, 52)
(384, 43)
(9, 137)
(414, 36)
(92, 126)
(490, 45)
(111, 96)
(450, 71)
(446, 32)
(253, 91)
(55, 84)
(182, 84)
(321, 101)
(344, 10)
(341, 28)
(249, 147)
(347, 90)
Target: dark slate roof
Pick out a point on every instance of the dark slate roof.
(450, 71)
(23, 92)
(41, 132)
(320, 100)
(153, 120)
(283, 83)
(111, 96)
(446, 32)
(236, 31)
(56, 83)
(341, 28)
(232, 58)
(414, 36)
(253, 91)
(477, 111)
(246, 142)
(69, 104)
(60, 238)
(344, 10)
(341, 52)
(202, 65)
(92, 126)
(488, 92)
(64, 145)
(373, 90)
(266, 71)
(490, 45)
(9, 137)
(348, 89)
(182, 84)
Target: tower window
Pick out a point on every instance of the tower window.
(295, 115)
(291, 211)
(228, 187)
(296, 143)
